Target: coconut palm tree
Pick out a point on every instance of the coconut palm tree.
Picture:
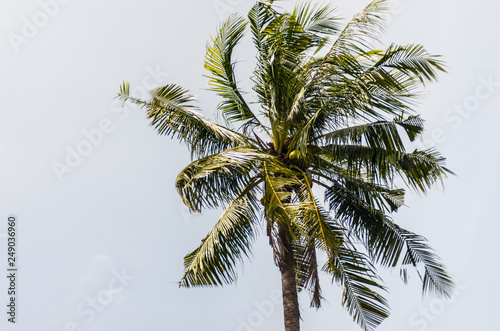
(329, 111)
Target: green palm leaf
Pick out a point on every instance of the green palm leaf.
(317, 19)
(436, 279)
(419, 169)
(381, 134)
(362, 30)
(219, 62)
(306, 266)
(219, 178)
(213, 263)
(385, 241)
(172, 114)
(359, 281)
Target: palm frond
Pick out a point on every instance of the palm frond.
(306, 269)
(279, 181)
(381, 134)
(362, 30)
(388, 245)
(374, 81)
(317, 19)
(413, 61)
(124, 93)
(284, 56)
(436, 279)
(316, 221)
(213, 263)
(357, 276)
(385, 241)
(364, 216)
(219, 178)
(354, 199)
(419, 169)
(222, 80)
(377, 81)
(172, 114)
(260, 16)
(342, 98)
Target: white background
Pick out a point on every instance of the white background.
(115, 210)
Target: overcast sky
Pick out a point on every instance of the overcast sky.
(101, 231)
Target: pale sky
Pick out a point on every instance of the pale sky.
(102, 232)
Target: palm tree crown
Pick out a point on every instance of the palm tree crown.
(332, 112)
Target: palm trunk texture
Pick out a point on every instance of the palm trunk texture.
(288, 283)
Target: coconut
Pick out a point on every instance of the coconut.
(293, 155)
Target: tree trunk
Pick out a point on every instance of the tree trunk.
(288, 283)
